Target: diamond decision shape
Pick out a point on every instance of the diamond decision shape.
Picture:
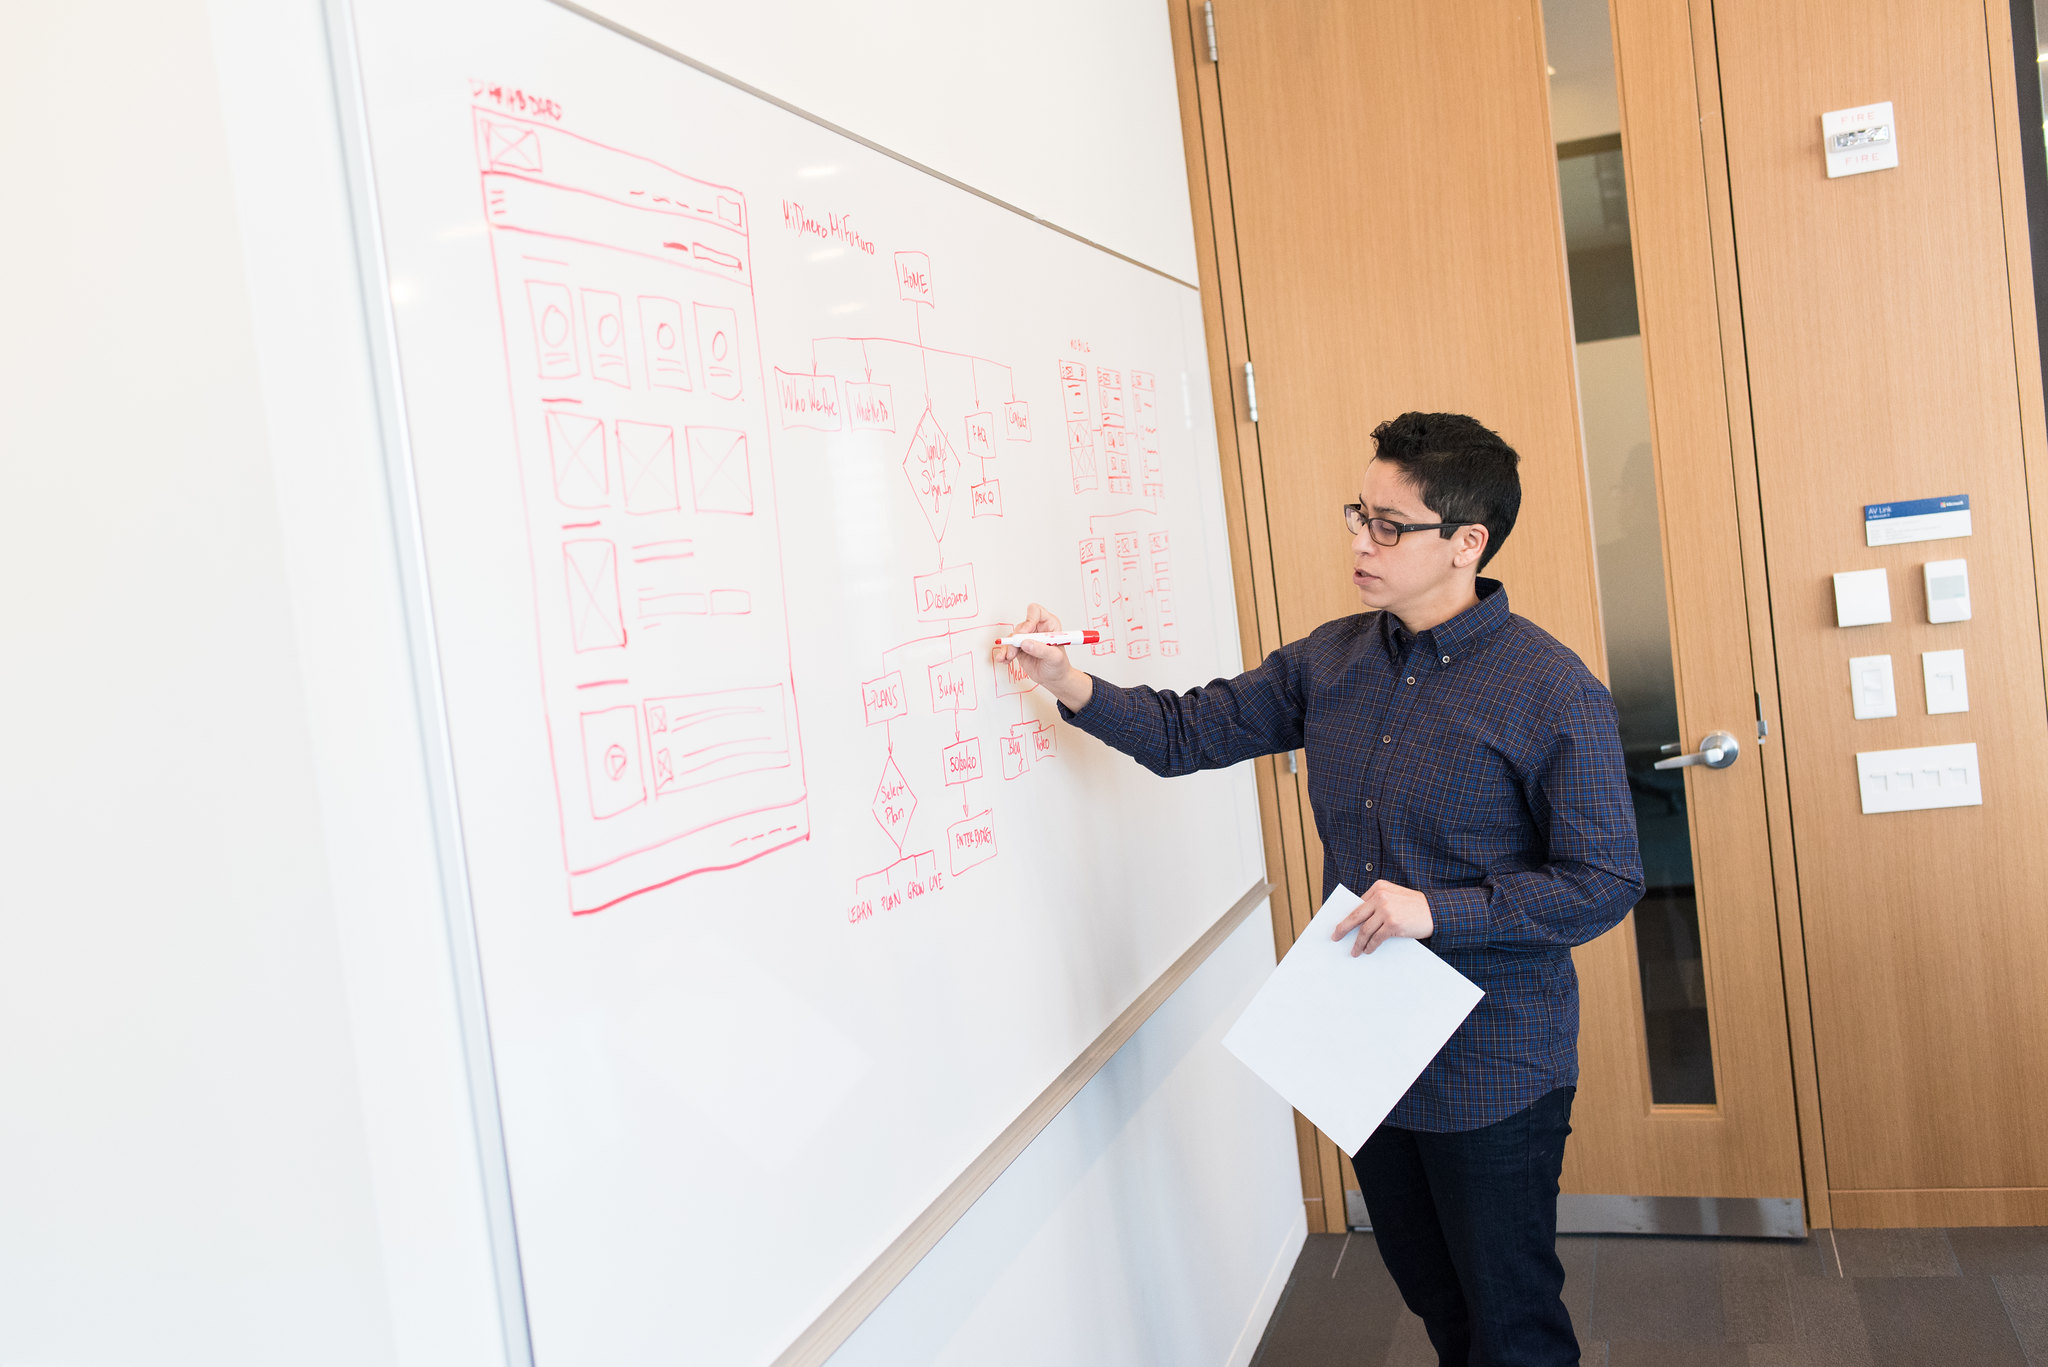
(894, 802)
(929, 465)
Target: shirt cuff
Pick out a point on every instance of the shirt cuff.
(1107, 714)
(1459, 917)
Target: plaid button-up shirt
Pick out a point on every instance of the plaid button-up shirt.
(1477, 762)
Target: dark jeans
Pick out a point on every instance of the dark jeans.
(1467, 1224)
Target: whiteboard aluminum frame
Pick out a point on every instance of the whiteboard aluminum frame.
(437, 748)
(872, 1286)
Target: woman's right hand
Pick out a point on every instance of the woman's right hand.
(1047, 666)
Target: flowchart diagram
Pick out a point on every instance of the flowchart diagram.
(963, 430)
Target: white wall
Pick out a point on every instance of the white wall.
(235, 1127)
(183, 1160)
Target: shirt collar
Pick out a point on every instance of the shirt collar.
(1466, 631)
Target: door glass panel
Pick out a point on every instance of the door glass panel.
(1614, 412)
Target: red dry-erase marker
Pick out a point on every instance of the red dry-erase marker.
(1053, 638)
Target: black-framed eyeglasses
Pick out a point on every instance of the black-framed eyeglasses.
(1386, 531)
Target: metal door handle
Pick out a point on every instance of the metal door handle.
(1717, 751)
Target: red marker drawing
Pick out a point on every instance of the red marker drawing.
(1052, 638)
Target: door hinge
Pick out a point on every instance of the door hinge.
(1763, 728)
(1209, 22)
(1251, 392)
(1292, 768)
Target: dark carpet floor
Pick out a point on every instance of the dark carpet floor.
(1853, 1298)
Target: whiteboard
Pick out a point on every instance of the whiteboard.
(732, 442)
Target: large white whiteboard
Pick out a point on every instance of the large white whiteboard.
(733, 440)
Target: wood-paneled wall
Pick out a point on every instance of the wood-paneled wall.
(1876, 341)
(1879, 317)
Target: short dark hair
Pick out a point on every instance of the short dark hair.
(1461, 467)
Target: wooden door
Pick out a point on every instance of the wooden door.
(1383, 234)
(1890, 346)
(1747, 1143)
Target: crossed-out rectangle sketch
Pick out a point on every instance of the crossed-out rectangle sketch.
(626, 291)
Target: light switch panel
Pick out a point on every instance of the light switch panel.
(1913, 780)
(1870, 687)
(1862, 598)
(1948, 689)
(1948, 590)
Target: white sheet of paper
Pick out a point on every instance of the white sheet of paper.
(1343, 1038)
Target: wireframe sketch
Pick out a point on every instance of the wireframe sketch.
(611, 761)
(643, 422)
(661, 341)
(590, 571)
(605, 318)
(718, 342)
(554, 329)
(580, 460)
(647, 467)
(721, 471)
